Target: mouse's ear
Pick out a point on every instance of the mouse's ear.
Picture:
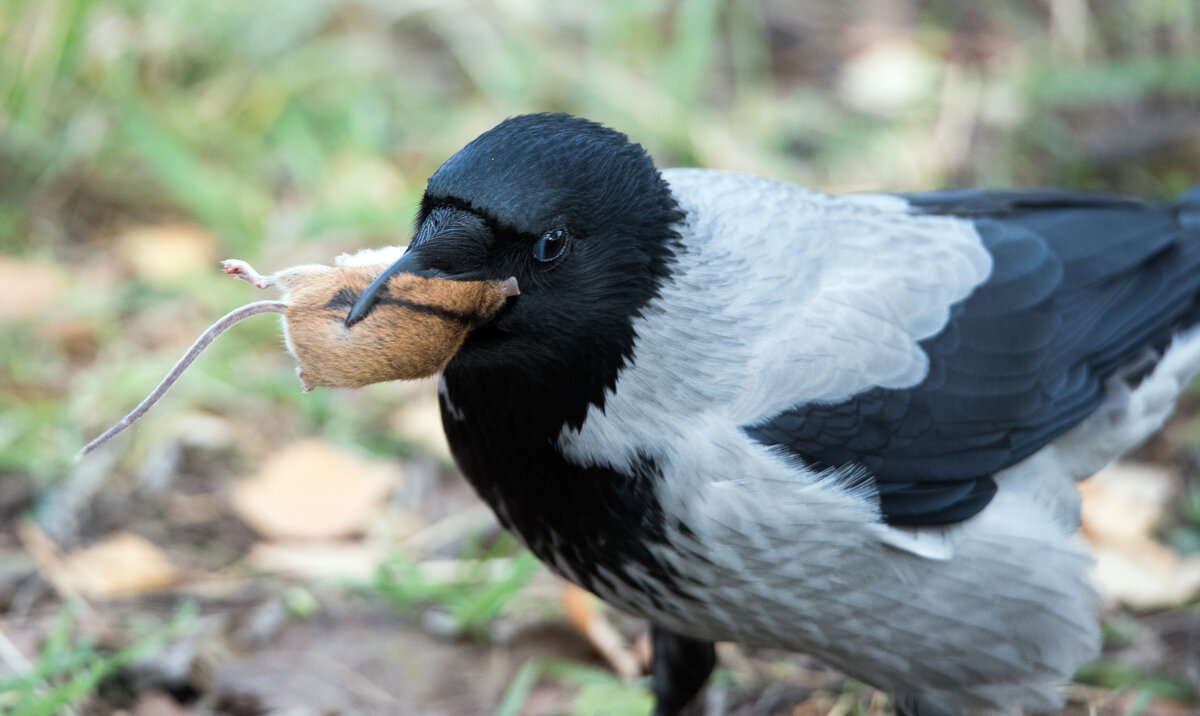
(415, 328)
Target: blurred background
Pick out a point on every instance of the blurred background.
(248, 548)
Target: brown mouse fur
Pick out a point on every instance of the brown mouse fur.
(417, 325)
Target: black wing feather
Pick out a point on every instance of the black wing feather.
(1082, 285)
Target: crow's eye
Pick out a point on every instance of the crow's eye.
(551, 245)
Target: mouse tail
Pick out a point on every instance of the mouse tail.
(223, 324)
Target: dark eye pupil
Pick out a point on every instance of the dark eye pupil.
(550, 246)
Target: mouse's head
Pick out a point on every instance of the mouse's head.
(416, 328)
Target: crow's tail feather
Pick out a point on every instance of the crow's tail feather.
(1189, 208)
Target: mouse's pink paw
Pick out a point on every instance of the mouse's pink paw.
(246, 272)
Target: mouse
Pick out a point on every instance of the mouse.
(417, 326)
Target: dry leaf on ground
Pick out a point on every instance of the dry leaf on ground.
(584, 612)
(1123, 502)
(313, 490)
(1122, 505)
(420, 420)
(163, 252)
(888, 76)
(356, 561)
(122, 565)
(27, 288)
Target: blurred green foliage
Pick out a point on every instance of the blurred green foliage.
(598, 691)
(474, 598)
(1118, 676)
(331, 113)
(70, 667)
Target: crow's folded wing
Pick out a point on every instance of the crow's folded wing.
(1081, 285)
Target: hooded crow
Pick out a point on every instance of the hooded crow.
(848, 426)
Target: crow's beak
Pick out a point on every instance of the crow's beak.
(408, 263)
(450, 243)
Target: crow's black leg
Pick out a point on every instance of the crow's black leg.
(681, 666)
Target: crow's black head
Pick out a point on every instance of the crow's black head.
(580, 216)
(583, 220)
(531, 171)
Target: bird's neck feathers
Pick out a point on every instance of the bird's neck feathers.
(591, 523)
(505, 401)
